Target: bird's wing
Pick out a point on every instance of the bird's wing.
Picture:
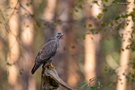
(48, 50)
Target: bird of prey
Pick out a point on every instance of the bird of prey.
(47, 52)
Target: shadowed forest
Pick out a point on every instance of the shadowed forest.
(97, 51)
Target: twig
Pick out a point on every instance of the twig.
(12, 12)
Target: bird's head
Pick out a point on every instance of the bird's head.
(59, 35)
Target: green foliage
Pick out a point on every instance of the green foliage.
(104, 0)
(92, 88)
(87, 86)
(84, 85)
(100, 15)
(132, 14)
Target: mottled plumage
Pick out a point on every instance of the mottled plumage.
(47, 52)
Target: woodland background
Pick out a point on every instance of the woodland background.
(98, 48)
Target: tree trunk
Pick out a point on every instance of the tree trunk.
(48, 16)
(73, 76)
(125, 51)
(27, 37)
(92, 40)
(67, 50)
(14, 52)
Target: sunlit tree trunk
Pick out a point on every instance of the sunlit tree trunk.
(125, 51)
(27, 37)
(13, 55)
(3, 37)
(1, 50)
(73, 76)
(92, 40)
(1, 56)
(48, 16)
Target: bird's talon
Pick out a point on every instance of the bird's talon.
(50, 66)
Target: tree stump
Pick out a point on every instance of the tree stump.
(50, 79)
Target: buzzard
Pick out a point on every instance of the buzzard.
(47, 52)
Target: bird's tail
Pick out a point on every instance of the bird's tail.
(36, 66)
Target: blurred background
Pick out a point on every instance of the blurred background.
(98, 48)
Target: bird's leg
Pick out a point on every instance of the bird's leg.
(43, 68)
